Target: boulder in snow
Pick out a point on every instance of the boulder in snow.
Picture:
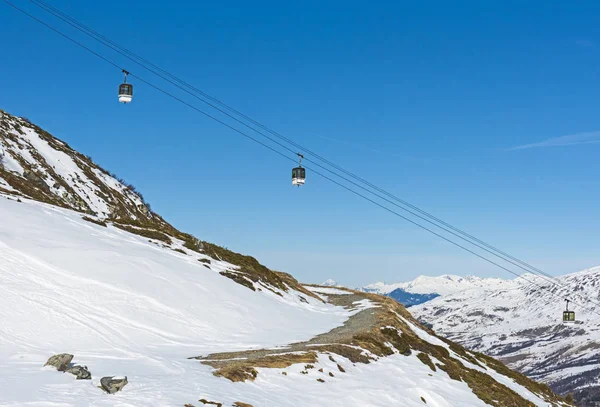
(61, 362)
(113, 384)
(81, 372)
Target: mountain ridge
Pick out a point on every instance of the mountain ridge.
(442, 285)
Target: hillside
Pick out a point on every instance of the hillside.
(36, 165)
(87, 268)
(520, 324)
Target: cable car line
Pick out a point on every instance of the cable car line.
(265, 145)
(221, 122)
(132, 56)
(295, 180)
(318, 173)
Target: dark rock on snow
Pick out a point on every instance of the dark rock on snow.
(81, 372)
(61, 361)
(113, 384)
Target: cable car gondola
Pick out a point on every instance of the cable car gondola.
(125, 90)
(568, 316)
(299, 173)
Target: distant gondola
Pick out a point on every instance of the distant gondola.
(568, 316)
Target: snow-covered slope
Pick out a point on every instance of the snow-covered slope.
(123, 305)
(189, 322)
(35, 164)
(520, 323)
(442, 285)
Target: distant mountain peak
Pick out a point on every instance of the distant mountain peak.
(441, 285)
(329, 283)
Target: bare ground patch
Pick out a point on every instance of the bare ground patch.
(378, 332)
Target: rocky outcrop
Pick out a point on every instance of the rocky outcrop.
(35, 179)
(61, 362)
(113, 384)
(204, 401)
(81, 372)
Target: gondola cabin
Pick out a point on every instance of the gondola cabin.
(125, 90)
(299, 173)
(298, 176)
(568, 316)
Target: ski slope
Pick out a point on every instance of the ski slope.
(127, 306)
(122, 305)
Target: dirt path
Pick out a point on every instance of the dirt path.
(378, 332)
(336, 339)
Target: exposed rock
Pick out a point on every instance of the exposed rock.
(240, 404)
(113, 384)
(204, 401)
(35, 179)
(61, 362)
(81, 372)
(144, 209)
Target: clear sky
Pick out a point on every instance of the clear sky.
(430, 101)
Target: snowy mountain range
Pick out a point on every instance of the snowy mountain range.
(88, 269)
(442, 285)
(425, 288)
(520, 323)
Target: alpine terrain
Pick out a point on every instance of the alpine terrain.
(126, 310)
(520, 323)
(425, 288)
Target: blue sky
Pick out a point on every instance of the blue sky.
(483, 113)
